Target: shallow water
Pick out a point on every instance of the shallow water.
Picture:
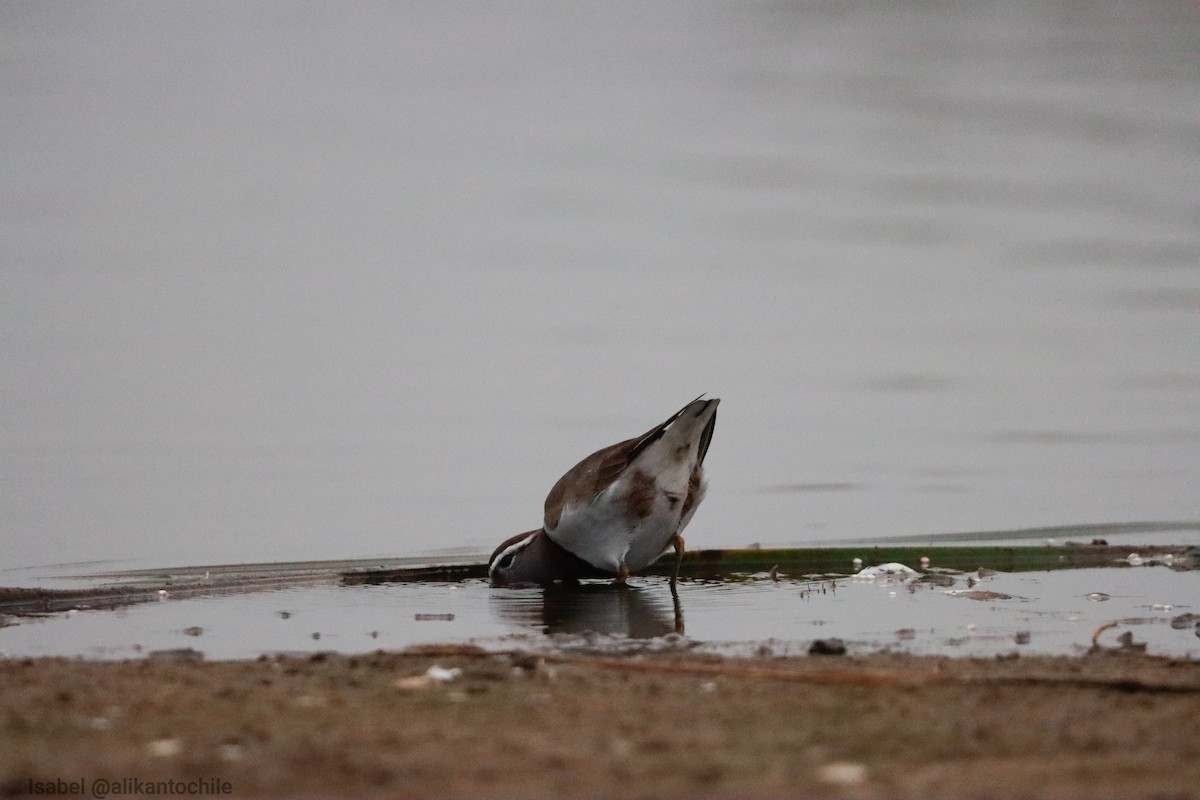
(293, 282)
(1034, 612)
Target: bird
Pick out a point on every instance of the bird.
(618, 510)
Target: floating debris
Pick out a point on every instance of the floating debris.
(1127, 643)
(194, 630)
(1124, 641)
(1022, 637)
(935, 579)
(1185, 621)
(906, 634)
(887, 571)
(1098, 597)
(978, 594)
(433, 617)
(284, 614)
(1162, 607)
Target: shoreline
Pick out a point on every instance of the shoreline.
(458, 721)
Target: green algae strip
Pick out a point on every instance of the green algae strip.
(730, 564)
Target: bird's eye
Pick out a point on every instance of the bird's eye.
(506, 561)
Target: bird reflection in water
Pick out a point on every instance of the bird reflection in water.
(606, 608)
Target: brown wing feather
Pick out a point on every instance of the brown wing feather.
(594, 474)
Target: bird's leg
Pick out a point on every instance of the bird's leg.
(677, 541)
(678, 610)
(622, 573)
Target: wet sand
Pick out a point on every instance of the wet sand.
(677, 724)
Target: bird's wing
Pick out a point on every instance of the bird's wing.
(594, 474)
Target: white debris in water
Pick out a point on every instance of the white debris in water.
(891, 569)
(857, 563)
(1161, 607)
(1134, 560)
(1098, 597)
(924, 561)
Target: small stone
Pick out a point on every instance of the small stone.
(443, 675)
(164, 748)
(827, 647)
(231, 752)
(842, 773)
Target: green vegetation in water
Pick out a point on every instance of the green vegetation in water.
(728, 563)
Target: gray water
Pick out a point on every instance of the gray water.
(1045, 613)
(302, 281)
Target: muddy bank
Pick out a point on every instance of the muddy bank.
(672, 725)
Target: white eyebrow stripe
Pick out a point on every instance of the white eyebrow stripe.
(512, 548)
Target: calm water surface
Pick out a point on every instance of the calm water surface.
(1054, 613)
(286, 282)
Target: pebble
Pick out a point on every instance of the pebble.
(827, 647)
(842, 773)
(164, 748)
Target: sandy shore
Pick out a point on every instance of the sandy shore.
(671, 725)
